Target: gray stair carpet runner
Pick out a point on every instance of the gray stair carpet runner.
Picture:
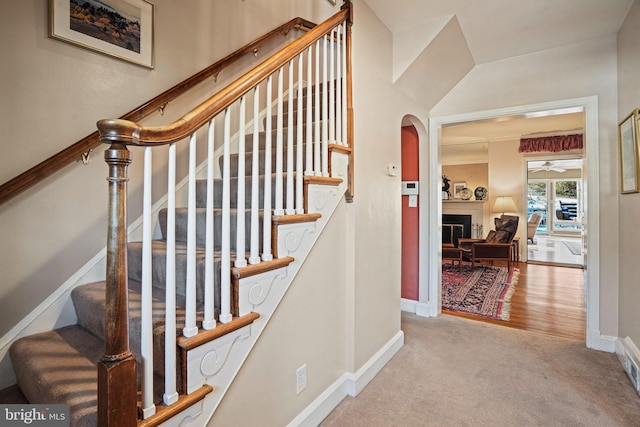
(59, 366)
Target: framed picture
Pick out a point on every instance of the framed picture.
(119, 28)
(628, 140)
(457, 188)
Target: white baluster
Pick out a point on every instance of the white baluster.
(344, 84)
(190, 328)
(299, 143)
(254, 257)
(279, 181)
(209, 321)
(325, 112)
(318, 137)
(241, 203)
(290, 141)
(331, 88)
(225, 256)
(170, 387)
(146, 344)
(309, 118)
(266, 227)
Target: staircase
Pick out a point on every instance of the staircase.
(177, 315)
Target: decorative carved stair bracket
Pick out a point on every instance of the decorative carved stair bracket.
(205, 362)
(217, 363)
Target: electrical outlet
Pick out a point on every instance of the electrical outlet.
(301, 378)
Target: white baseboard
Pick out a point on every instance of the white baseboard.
(426, 310)
(349, 384)
(629, 357)
(597, 341)
(408, 305)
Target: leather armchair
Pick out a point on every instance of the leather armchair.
(497, 246)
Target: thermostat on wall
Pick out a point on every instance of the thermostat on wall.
(409, 188)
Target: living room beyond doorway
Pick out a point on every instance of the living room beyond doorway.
(547, 299)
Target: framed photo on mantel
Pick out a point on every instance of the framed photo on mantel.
(457, 189)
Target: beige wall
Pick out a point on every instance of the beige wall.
(629, 209)
(507, 179)
(53, 93)
(579, 70)
(343, 315)
(475, 175)
(309, 327)
(376, 213)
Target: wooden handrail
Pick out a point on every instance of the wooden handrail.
(27, 179)
(131, 133)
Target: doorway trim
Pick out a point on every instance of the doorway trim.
(431, 209)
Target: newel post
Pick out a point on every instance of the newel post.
(117, 389)
(350, 192)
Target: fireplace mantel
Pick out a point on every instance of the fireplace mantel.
(475, 208)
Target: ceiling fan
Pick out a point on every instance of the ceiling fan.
(548, 167)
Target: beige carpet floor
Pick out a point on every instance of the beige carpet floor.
(457, 372)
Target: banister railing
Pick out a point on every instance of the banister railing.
(326, 82)
(128, 132)
(74, 152)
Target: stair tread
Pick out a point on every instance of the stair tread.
(89, 301)
(60, 367)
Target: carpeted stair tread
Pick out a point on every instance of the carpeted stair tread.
(159, 269)
(12, 395)
(60, 367)
(262, 138)
(248, 162)
(201, 191)
(201, 217)
(89, 303)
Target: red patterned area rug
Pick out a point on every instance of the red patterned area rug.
(484, 292)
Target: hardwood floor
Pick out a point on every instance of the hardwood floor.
(547, 299)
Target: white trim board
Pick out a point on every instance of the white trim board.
(349, 384)
(431, 171)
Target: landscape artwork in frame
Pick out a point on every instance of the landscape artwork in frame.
(457, 187)
(628, 141)
(119, 28)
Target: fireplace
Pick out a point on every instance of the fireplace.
(455, 226)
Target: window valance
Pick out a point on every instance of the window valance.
(552, 144)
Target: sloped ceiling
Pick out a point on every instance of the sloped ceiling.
(497, 29)
(436, 42)
(445, 60)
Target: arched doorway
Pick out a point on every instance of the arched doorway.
(413, 135)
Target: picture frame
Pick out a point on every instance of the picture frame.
(457, 187)
(629, 161)
(122, 29)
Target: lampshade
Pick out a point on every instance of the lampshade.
(504, 204)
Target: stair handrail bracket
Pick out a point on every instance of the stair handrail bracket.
(292, 114)
(132, 133)
(75, 151)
